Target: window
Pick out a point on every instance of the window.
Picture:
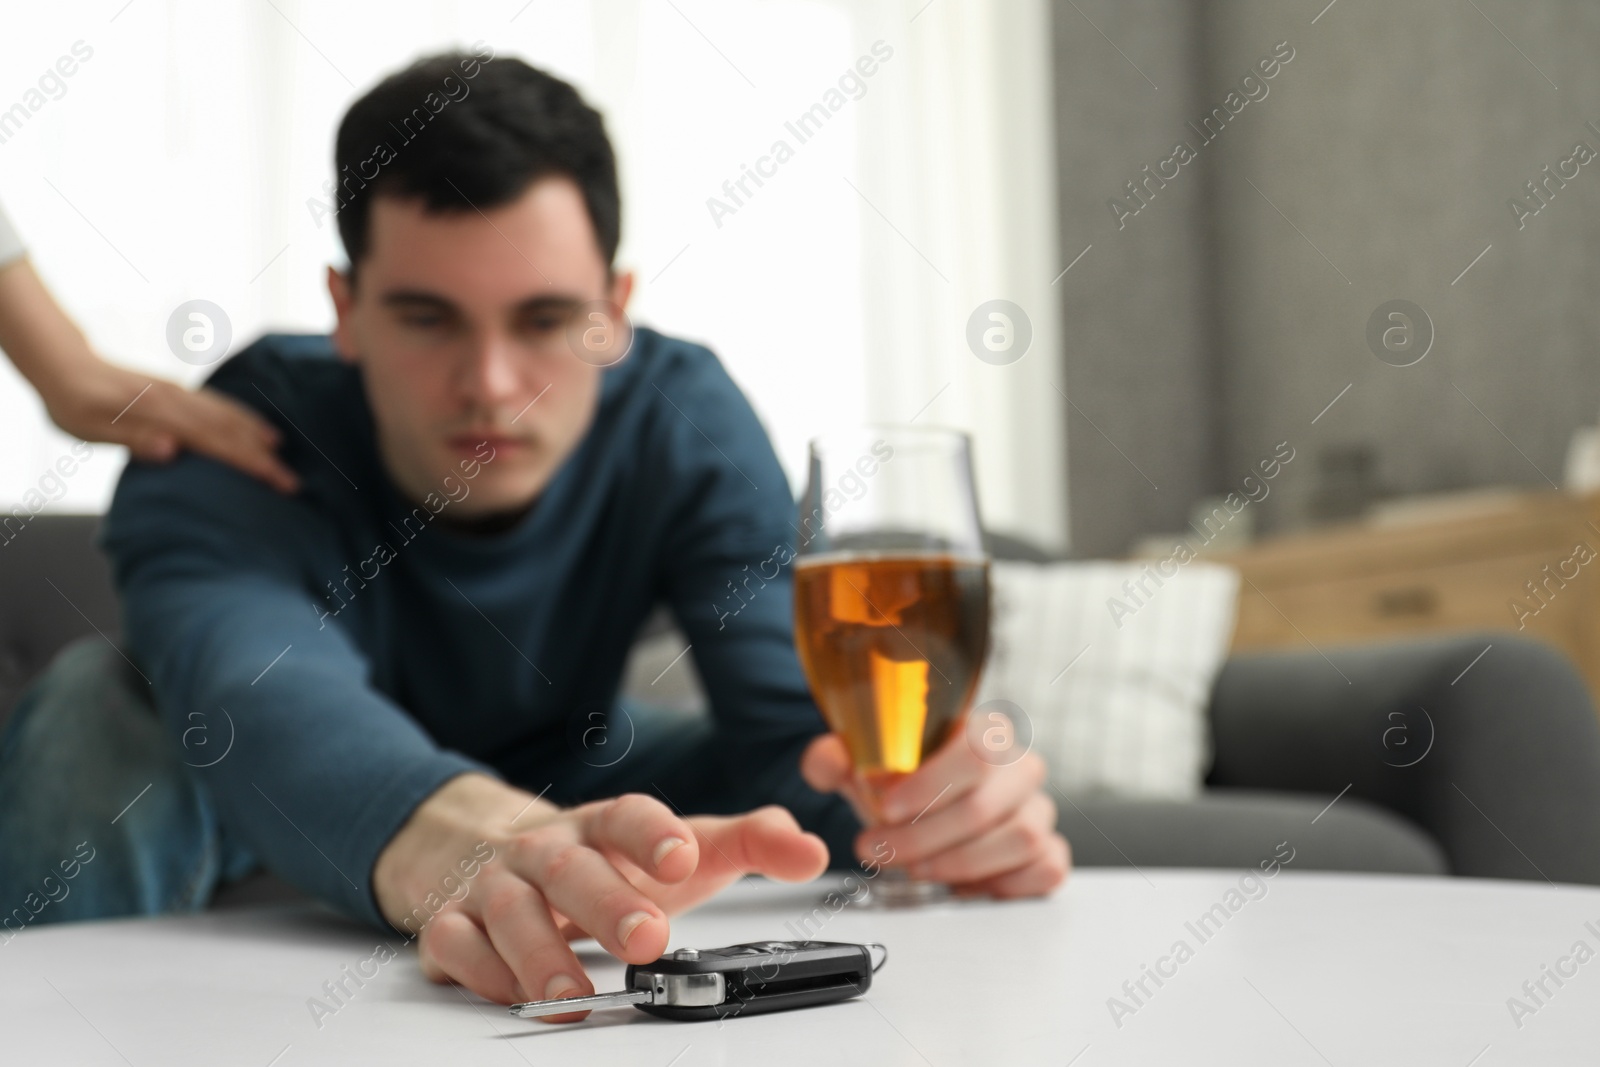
(184, 158)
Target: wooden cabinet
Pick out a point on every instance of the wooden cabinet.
(1507, 561)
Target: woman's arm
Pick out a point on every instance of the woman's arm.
(99, 401)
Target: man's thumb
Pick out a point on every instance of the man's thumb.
(158, 447)
(825, 764)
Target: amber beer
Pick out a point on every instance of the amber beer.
(892, 644)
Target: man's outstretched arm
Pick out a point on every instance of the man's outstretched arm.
(338, 790)
(322, 768)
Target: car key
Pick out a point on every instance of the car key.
(720, 983)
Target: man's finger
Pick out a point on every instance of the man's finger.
(993, 801)
(1036, 879)
(942, 778)
(453, 948)
(585, 887)
(827, 767)
(766, 841)
(521, 929)
(1014, 843)
(644, 831)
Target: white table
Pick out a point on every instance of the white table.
(1321, 969)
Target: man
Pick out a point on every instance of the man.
(414, 662)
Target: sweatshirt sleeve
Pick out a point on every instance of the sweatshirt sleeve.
(727, 560)
(215, 573)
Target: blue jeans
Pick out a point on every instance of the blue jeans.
(99, 816)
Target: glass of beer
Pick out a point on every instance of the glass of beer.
(891, 606)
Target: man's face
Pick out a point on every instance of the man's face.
(460, 323)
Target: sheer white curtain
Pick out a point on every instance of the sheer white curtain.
(957, 203)
(180, 160)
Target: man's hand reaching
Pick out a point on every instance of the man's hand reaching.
(613, 870)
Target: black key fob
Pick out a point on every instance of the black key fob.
(722, 983)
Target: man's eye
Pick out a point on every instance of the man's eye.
(544, 323)
(422, 321)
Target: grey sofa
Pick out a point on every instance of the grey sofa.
(1278, 766)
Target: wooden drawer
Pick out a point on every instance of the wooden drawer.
(1374, 580)
(1471, 595)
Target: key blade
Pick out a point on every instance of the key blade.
(597, 1002)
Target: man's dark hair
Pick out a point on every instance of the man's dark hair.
(466, 131)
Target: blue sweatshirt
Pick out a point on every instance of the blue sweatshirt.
(364, 652)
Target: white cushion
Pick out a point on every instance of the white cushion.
(1128, 716)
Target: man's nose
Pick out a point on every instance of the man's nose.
(493, 376)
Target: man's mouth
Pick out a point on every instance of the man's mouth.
(470, 442)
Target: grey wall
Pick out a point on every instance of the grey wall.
(1215, 324)
(1134, 309)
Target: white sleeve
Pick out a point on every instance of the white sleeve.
(11, 246)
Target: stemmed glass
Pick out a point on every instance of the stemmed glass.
(891, 606)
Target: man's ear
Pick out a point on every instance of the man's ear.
(621, 288)
(344, 306)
